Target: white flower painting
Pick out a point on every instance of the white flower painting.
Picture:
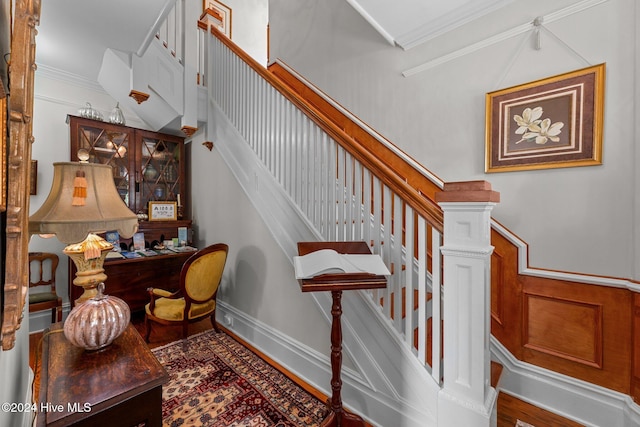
(533, 128)
(555, 122)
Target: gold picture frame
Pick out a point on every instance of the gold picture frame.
(3, 147)
(21, 77)
(163, 211)
(555, 122)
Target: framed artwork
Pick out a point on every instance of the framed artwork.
(550, 123)
(221, 13)
(163, 211)
(21, 75)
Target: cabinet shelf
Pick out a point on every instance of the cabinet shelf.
(131, 152)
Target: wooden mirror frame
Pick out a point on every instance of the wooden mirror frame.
(18, 167)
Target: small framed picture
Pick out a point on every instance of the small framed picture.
(551, 123)
(163, 211)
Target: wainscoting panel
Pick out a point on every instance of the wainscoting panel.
(574, 328)
(579, 330)
(568, 329)
(635, 379)
(506, 293)
(497, 288)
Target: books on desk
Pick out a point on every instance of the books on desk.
(147, 252)
(328, 261)
(114, 255)
(129, 254)
(151, 253)
(165, 251)
(181, 249)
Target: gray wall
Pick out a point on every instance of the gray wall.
(574, 219)
(259, 279)
(16, 377)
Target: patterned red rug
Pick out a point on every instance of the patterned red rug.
(217, 382)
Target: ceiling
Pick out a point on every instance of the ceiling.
(73, 34)
(408, 23)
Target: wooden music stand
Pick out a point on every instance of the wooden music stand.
(336, 283)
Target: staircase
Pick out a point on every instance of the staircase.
(314, 183)
(316, 173)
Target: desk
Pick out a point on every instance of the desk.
(128, 279)
(119, 384)
(336, 283)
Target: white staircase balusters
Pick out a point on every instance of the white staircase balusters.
(339, 195)
(343, 196)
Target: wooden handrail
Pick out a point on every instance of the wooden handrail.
(397, 163)
(419, 201)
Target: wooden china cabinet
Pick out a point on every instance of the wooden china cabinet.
(147, 167)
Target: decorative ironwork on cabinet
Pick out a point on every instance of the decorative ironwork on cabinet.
(147, 166)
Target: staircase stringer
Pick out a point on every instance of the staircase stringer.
(389, 383)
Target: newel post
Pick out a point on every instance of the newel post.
(466, 397)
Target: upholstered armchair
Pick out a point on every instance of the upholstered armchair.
(196, 298)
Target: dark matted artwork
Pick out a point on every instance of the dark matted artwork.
(551, 123)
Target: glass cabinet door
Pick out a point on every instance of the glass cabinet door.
(108, 145)
(159, 179)
(147, 166)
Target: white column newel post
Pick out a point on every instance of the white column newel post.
(466, 397)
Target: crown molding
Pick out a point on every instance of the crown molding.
(67, 77)
(517, 30)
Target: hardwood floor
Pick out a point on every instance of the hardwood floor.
(510, 409)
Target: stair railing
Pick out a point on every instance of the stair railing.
(346, 192)
(170, 32)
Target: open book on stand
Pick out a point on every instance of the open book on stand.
(328, 261)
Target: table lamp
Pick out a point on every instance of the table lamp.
(83, 201)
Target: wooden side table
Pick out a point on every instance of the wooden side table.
(336, 283)
(118, 385)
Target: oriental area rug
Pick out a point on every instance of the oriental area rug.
(217, 382)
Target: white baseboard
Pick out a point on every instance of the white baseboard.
(580, 401)
(41, 320)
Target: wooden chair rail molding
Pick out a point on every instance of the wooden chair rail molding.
(574, 326)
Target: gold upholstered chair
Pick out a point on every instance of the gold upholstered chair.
(196, 298)
(42, 274)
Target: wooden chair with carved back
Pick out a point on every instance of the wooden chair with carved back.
(42, 284)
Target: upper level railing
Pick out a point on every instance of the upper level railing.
(170, 32)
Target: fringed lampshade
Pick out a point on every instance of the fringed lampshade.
(83, 201)
(102, 209)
